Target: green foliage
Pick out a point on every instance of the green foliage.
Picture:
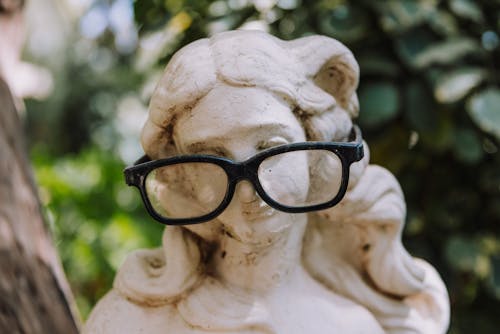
(381, 103)
(429, 98)
(96, 218)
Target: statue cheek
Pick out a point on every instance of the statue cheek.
(285, 177)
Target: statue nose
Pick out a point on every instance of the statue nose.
(246, 192)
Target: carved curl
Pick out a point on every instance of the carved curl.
(320, 86)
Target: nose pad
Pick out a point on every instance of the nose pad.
(246, 192)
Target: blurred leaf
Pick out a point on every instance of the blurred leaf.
(490, 244)
(346, 23)
(379, 103)
(467, 146)
(390, 149)
(494, 278)
(489, 181)
(150, 14)
(441, 139)
(484, 108)
(493, 207)
(159, 43)
(378, 64)
(456, 84)
(289, 4)
(446, 52)
(467, 9)
(411, 44)
(443, 23)
(419, 108)
(465, 254)
(120, 237)
(399, 15)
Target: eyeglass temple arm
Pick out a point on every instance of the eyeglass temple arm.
(358, 141)
(132, 178)
(142, 159)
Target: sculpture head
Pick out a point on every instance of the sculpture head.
(239, 93)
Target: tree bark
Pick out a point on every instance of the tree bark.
(34, 294)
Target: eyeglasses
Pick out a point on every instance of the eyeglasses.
(294, 178)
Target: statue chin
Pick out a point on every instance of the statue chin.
(254, 269)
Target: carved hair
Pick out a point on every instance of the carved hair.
(320, 87)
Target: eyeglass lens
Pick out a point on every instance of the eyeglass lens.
(186, 190)
(295, 179)
(301, 178)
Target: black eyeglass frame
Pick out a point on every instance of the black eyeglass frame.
(348, 153)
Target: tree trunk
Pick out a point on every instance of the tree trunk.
(34, 294)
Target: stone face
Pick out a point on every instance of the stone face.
(254, 269)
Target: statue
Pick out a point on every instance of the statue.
(237, 116)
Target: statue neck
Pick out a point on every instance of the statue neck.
(260, 268)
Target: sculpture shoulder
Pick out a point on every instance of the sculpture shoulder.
(146, 288)
(298, 306)
(115, 314)
(160, 276)
(335, 312)
(330, 313)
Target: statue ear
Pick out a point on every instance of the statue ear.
(332, 67)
